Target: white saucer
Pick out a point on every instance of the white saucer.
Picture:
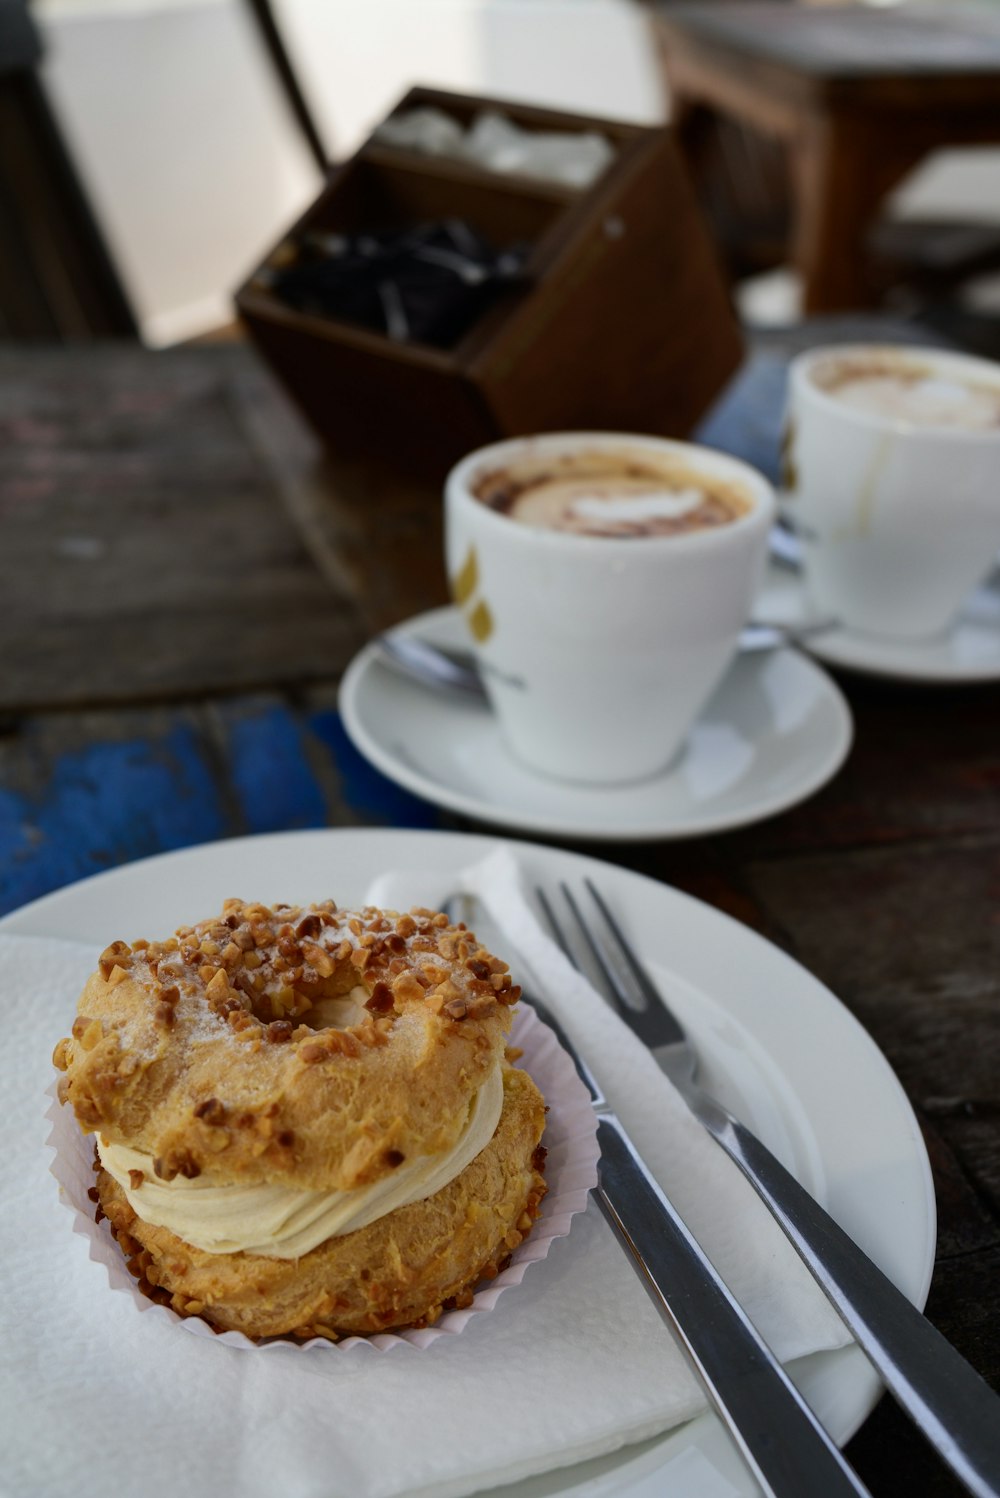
(776, 729)
(970, 652)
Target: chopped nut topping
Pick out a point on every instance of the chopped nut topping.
(177, 1163)
(211, 1110)
(318, 958)
(407, 989)
(218, 984)
(380, 1001)
(93, 1035)
(313, 1050)
(135, 1179)
(118, 954)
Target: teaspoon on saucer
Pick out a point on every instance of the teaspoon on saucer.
(451, 670)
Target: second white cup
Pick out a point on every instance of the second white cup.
(898, 511)
(598, 652)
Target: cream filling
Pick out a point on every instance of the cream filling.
(283, 1222)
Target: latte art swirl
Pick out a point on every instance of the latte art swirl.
(610, 492)
(905, 390)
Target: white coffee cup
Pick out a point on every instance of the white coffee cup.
(598, 652)
(899, 520)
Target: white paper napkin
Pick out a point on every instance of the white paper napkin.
(573, 1362)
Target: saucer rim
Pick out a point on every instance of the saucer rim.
(444, 796)
(869, 662)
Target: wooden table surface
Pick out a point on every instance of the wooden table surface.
(183, 583)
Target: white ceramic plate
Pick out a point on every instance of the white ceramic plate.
(970, 652)
(776, 1045)
(776, 729)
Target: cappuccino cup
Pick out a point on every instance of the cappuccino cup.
(893, 483)
(604, 579)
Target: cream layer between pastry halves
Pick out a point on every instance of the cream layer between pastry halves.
(281, 1222)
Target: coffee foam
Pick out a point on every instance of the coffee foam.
(617, 507)
(610, 492)
(917, 394)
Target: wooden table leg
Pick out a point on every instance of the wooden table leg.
(843, 167)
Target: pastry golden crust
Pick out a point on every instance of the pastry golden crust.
(306, 1122)
(218, 1052)
(399, 1271)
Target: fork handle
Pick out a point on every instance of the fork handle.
(777, 1433)
(954, 1408)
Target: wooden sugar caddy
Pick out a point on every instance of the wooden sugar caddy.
(625, 325)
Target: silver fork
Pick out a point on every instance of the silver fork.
(946, 1398)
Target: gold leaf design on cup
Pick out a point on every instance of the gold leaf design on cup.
(466, 579)
(789, 469)
(480, 622)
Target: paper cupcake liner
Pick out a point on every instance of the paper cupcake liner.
(571, 1172)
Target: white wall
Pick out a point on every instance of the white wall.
(185, 147)
(356, 59)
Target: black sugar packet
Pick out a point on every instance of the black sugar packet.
(427, 284)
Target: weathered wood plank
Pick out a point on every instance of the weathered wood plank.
(374, 533)
(925, 765)
(145, 553)
(909, 939)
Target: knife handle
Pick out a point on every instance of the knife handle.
(778, 1435)
(954, 1408)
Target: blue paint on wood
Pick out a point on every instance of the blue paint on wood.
(269, 771)
(106, 804)
(110, 803)
(366, 790)
(748, 418)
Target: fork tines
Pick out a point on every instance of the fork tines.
(625, 982)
